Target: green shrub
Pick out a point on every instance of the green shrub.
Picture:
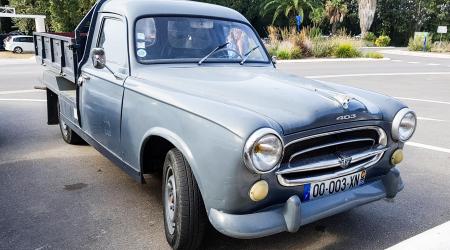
(441, 47)
(322, 48)
(383, 41)
(416, 44)
(374, 55)
(315, 32)
(295, 53)
(284, 54)
(370, 37)
(346, 50)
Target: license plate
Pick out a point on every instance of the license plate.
(316, 190)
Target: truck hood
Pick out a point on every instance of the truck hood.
(293, 102)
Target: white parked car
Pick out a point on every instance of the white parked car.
(19, 44)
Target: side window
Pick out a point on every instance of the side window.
(29, 39)
(113, 39)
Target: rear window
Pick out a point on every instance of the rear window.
(23, 39)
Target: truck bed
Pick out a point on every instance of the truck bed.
(56, 52)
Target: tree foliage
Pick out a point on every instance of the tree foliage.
(62, 15)
(287, 8)
(336, 11)
(66, 14)
(396, 18)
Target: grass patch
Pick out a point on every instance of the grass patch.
(374, 55)
(346, 50)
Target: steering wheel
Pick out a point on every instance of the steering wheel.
(226, 55)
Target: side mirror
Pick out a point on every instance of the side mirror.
(98, 58)
(274, 59)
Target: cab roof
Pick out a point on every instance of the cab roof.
(134, 9)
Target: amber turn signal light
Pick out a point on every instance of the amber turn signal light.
(397, 157)
(259, 190)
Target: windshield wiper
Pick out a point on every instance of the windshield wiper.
(212, 52)
(248, 54)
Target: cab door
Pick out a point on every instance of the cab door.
(102, 90)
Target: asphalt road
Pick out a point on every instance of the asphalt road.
(57, 196)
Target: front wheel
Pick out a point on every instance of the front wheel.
(184, 212)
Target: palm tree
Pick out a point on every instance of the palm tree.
(288, 8)
(336, 11)
(366, 12)
(317, 16)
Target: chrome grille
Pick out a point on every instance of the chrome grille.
(330, 155)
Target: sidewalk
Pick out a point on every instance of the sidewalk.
(9, 61)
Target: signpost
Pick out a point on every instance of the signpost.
(424, 36)
(442, 30)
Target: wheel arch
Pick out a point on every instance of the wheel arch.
(165, 139)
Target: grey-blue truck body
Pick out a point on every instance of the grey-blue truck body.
(208, 112)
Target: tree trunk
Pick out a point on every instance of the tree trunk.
(333, 28)
(366, 11)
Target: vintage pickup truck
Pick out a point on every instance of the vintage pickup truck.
(188, 89)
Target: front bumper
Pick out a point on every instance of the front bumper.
(293, 213)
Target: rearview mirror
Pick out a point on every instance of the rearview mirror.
(98, 58)
(274, 59)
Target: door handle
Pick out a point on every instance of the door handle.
(82, 79)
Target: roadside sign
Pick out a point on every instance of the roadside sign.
(442, 29)
(420, 34)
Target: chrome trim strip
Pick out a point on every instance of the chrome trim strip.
(376, 155)
(329, 145)
(331, 163)
(381, 133)
(360, 167)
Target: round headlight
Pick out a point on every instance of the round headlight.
(404, 125)
(263, 151)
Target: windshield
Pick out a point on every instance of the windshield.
(190, 39)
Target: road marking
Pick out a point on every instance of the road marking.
(429, 119)
(23, 100)
(397, 60)
(434, 148)
(422, 100)
(433, 64)
(413, 62)
(379, 74)
(19, 91)
(434, 238)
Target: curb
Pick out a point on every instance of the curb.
(388, 47)
(418, 54)
(333, 60)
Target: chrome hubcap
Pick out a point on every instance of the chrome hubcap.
(64, 128)
(170, 197)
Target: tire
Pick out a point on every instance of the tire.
(184, 212)
(67, 133)
(18, 50)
